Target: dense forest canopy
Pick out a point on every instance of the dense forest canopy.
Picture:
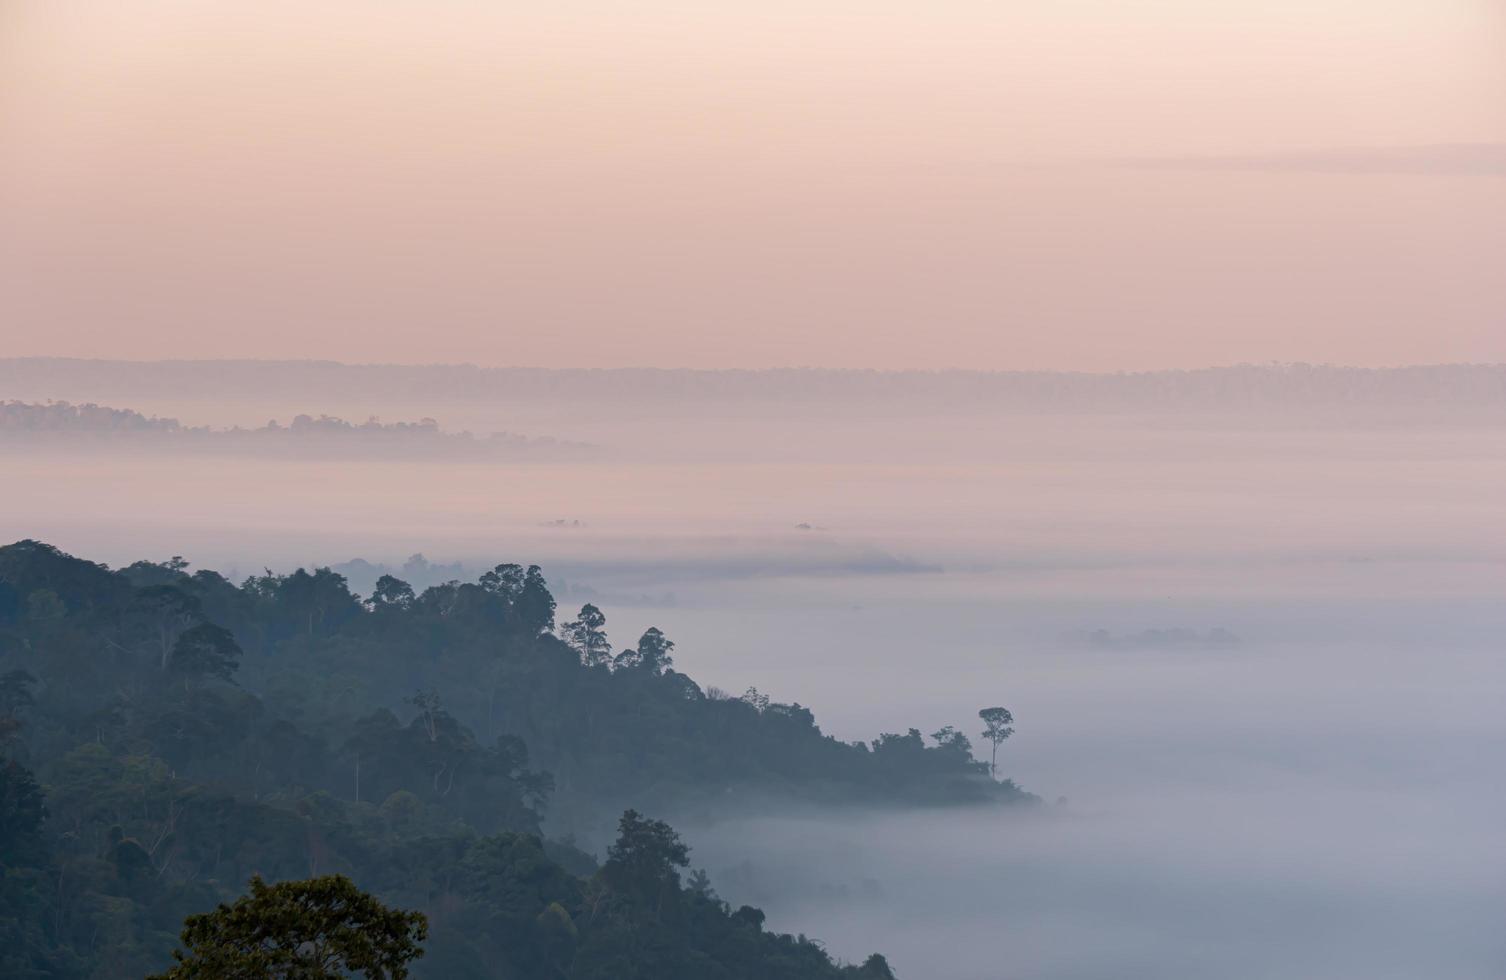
(169, 733)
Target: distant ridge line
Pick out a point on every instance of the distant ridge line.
(257, 362)
(1277, 387)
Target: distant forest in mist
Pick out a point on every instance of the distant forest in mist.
(1451, 390)
(66, 423)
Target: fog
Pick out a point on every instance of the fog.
(1319, 802)
(1319, 797)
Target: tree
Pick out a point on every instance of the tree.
(319, 600)
(205, 650)
(391, 593)
(644, 858)
(996, 728)
(875, 967)
(535, 604)
(21, 814)
(951, 738)
(317, 929)
(700, 884)
(168, 611)
(505, 580)
(587, 638)
(430, 709)
(652, 653)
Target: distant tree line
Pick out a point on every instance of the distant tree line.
(1281, 388)
(61, 419)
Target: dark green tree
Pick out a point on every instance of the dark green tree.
(318, 929)
(645, 858)
(205, 651)
(391, 593)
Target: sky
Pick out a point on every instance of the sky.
(1077, 184)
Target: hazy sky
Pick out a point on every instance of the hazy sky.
(1092, 184)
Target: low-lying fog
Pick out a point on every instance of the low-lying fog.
(1322, 800)
(1315, 792)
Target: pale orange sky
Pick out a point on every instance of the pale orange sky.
(885, 184)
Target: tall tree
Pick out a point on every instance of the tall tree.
(651, 654)
(319, 929)
(996, 728)
(535, 604)
(167, 611)
(587, 637)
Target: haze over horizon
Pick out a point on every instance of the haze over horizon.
(358, 363)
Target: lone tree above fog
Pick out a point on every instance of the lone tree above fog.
(996, 728)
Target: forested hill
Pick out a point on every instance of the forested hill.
(186, 732)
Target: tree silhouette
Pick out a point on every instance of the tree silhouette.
(391, 593)
(652, 653)
(587, 637)
(996, 722)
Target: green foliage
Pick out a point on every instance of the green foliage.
(645, 858)
(300, 930)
